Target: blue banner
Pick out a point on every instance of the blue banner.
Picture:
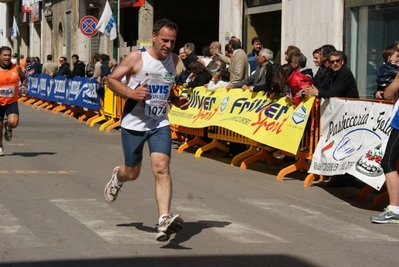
(79, 91)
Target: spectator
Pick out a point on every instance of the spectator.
(371, 72)
(97, 66)
(14, 58)
(112, 65)
(220, 79)
(49, 67)
(215, 64)
(388, 70)
(181, 73)
(63, 69)
(199, 76)
(206, 52)
(90, 66)
(182, 53)
(291, 49)
(79, 68)
(316, 57)
(341, 84)
(189, 48)
(321, 78)
(238, 68)
(256, 82)
(36, 66)
(22, 62)
(256, 47)
(104, 59)
(300, 77)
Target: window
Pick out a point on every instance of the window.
(373, 28)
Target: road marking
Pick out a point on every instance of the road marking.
(15, 235)
(319, 221)
(35, 172)
(223, 225)
(14, 144)
(103, 220)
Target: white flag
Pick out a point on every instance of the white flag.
(14, 29)
(107, 23)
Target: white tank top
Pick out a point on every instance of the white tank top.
(152, 113)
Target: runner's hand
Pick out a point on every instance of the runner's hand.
(141, 92)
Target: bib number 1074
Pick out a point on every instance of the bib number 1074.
(156, 111)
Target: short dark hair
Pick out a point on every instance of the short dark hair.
(75, 56)
(235, 44)
(256, 39)
(159, 24)
(327, 49)
(206, 51)
(5, 48)
(49, 57)
(389, 51)
(300, 59)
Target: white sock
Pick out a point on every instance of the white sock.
(394, 209)
(162, 217)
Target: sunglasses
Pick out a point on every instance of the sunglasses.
(335, 61)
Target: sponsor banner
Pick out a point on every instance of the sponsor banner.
(273, 123)
(353, 140)
(79, 91)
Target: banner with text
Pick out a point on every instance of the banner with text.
(78, 91)
(353, 140)
(274, 123)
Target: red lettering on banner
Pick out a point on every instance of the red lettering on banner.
(205, 115)
(272, 126)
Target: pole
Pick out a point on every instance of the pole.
(18, 19)
(115, 50)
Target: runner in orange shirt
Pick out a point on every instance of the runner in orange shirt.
(10, 76)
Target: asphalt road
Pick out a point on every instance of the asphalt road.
(52, 210)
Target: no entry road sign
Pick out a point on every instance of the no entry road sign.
(88, 25)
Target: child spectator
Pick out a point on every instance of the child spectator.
(388, 70)
(220, 79)
(295, 83)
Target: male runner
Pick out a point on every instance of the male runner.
(150, 75)
(10, 76)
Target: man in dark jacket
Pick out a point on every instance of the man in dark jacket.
(63, 69)
(79, 68)
(189, 48)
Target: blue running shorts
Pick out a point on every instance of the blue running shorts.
(9, 109)
(159, 140)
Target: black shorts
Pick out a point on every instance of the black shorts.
(9, 109)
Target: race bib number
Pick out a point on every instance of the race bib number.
(156, 109)
(7, 91)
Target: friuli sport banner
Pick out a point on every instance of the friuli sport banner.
(353, 138)
(273, 123)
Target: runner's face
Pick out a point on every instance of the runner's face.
(164, 42)
(5, 58)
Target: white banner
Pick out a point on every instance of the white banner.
(353, 139)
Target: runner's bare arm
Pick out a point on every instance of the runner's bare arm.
(131, 64)
(391, 89)
(21, 75)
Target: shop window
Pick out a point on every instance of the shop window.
(373, 28)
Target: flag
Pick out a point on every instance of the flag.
(14, 29)
(107, 23)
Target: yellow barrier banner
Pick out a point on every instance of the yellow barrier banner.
(275, 123)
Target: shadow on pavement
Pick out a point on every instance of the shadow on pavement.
(31, 154)
(276, 260)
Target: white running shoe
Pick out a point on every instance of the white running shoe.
(171, 224)
(1, 150)
(112, 188)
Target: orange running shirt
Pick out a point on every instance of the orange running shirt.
(9, 80)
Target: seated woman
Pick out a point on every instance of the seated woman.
(199, 76)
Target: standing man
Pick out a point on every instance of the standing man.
(256, 47)
(10, 76)
(239, 65)
(49, 66)
(152, 73)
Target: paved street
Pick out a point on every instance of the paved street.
(52, 210)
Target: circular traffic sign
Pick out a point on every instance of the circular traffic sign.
(88, 25)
